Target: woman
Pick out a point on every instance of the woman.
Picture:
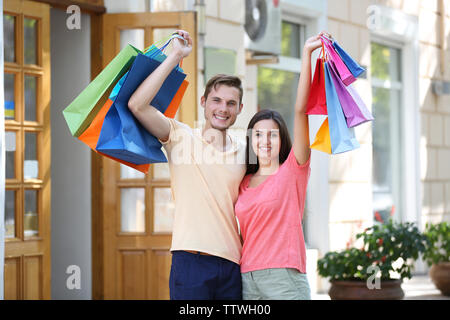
(272, 198)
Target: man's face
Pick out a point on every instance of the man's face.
(221, 107)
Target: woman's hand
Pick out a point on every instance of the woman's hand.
(314, 42)
(178, 45)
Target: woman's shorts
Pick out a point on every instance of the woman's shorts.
(275, 284)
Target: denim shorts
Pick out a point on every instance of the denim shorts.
(275, 284)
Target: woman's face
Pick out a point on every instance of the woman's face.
(266, 142)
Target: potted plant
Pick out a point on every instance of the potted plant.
(437, 254)
(376, 270)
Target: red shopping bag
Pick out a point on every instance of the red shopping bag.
(317, 101)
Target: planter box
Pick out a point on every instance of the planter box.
(358, 290)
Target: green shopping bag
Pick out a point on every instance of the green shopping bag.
(80, 113)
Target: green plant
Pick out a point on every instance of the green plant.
(437, 243)
(391, 247)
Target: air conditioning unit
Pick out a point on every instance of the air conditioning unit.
(263, 27)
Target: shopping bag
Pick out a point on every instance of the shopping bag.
(175, 103)
(122, 136)
(342, 138)
(345, 74)
(360, 103)
(352, 112)
(154, 52)
(91, 134)
(322, 141)
(351, 64)
(317, 101)
(80, 112)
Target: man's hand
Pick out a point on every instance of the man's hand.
(178, 46)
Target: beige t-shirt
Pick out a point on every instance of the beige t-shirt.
(205, 186)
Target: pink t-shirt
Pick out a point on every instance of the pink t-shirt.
(270, 217)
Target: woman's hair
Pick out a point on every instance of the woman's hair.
(251, 159)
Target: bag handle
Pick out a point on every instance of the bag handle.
(166, 42)
(325, 43)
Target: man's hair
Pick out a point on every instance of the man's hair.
(223, 79)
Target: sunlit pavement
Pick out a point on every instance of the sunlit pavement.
(419, 287)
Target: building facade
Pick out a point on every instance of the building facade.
(110, 226)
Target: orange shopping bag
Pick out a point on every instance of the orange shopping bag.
(322, 142)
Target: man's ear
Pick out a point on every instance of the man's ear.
(240, 108)
(202, 101)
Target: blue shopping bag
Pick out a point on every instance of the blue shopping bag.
(353, 66)
(153, 52)
(342, 138)
(122, 136)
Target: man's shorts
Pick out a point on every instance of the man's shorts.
(203, 277)
(275, 284)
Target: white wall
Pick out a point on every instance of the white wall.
(71, 159)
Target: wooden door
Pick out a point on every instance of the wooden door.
(26, 28)
(132, 212)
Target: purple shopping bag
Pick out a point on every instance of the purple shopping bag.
(361, 105)
(343, 72)
(353, 114)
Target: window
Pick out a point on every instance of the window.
(386, 131)
(277, 84)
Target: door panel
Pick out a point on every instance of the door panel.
(132, 212)
(27, 128)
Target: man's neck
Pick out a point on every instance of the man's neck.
(217, 138)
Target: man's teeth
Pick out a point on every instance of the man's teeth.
(221, 118)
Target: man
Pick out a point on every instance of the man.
(206, 167)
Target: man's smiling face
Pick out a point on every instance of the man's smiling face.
(221, 107)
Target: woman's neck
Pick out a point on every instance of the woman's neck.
(267, 168)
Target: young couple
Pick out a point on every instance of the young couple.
(237, 231)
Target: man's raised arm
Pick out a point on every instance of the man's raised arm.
(139, 104)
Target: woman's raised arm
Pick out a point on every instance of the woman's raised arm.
(301, 125)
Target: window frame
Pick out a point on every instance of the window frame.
(397, 182)
(410, 199)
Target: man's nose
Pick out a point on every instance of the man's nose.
(222, 105)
